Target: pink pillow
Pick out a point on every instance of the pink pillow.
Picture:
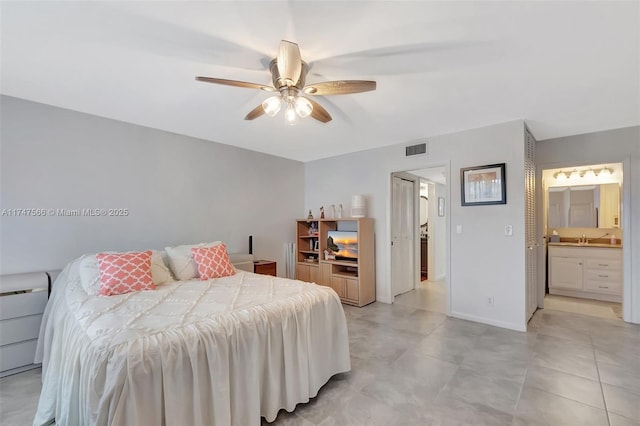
(213, 262)
(125, 272)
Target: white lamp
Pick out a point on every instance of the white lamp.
(358, 208)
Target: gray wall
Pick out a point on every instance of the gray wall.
(177, 189)
(483, 261)
(612, 146)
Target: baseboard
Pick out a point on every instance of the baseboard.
(19, 370)
(489, 321)
(587, 295)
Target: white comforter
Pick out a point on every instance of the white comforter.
(217, 352)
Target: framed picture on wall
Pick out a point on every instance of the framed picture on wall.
(483, 185)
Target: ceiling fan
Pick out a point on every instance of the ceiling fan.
(288, 72)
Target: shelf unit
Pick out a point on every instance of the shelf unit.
(353, 280)
(307, 236)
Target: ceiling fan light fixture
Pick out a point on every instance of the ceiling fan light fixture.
(288, 75)
(303, 107)
(290, 115)
(272, 105)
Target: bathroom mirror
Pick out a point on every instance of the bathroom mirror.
(584, 206)
(424, 210)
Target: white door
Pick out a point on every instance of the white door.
(402, 235)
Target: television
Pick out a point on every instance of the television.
(343, 244)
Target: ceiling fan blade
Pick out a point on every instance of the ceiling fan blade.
(289, 62)
(255, 113)
(319, 113)
(340, 87)
(236, 83)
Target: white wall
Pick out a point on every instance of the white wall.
(612, 146)
(177, 189)
(483, 261)
(439, 235)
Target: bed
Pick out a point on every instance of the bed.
(225, 351)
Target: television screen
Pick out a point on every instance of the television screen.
(343, 244)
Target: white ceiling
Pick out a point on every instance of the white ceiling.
(565, 67)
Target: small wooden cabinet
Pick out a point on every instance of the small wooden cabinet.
(353, 280)
(588, 272)
(265, 267)
(307, 273)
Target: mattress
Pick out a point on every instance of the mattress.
(219, 352)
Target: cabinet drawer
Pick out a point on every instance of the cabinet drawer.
(19, 329)
(604, 275)
(607, 287)
(19, 305)
(17, 355)
(603, 264)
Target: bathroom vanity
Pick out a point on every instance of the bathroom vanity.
(592, 271)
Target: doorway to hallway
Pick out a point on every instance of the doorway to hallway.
(419, 274)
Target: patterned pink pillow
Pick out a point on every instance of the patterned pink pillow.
(125, 272)
(213, 262)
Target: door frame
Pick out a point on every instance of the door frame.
(630, 313)
(447, 216)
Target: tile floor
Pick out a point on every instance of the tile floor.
(415, 366)
(593, 308)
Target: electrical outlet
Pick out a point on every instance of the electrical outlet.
(458, 229)
(490, 300)
(508, 230)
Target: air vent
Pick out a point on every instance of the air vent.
(418, 149)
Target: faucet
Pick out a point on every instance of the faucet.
(583, 239)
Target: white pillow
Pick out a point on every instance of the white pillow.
(181, 260)
(160, 273)
(89, 269)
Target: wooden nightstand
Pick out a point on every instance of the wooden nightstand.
(265, 267)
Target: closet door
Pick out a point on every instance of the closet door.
(531, 264)
(403, 229)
